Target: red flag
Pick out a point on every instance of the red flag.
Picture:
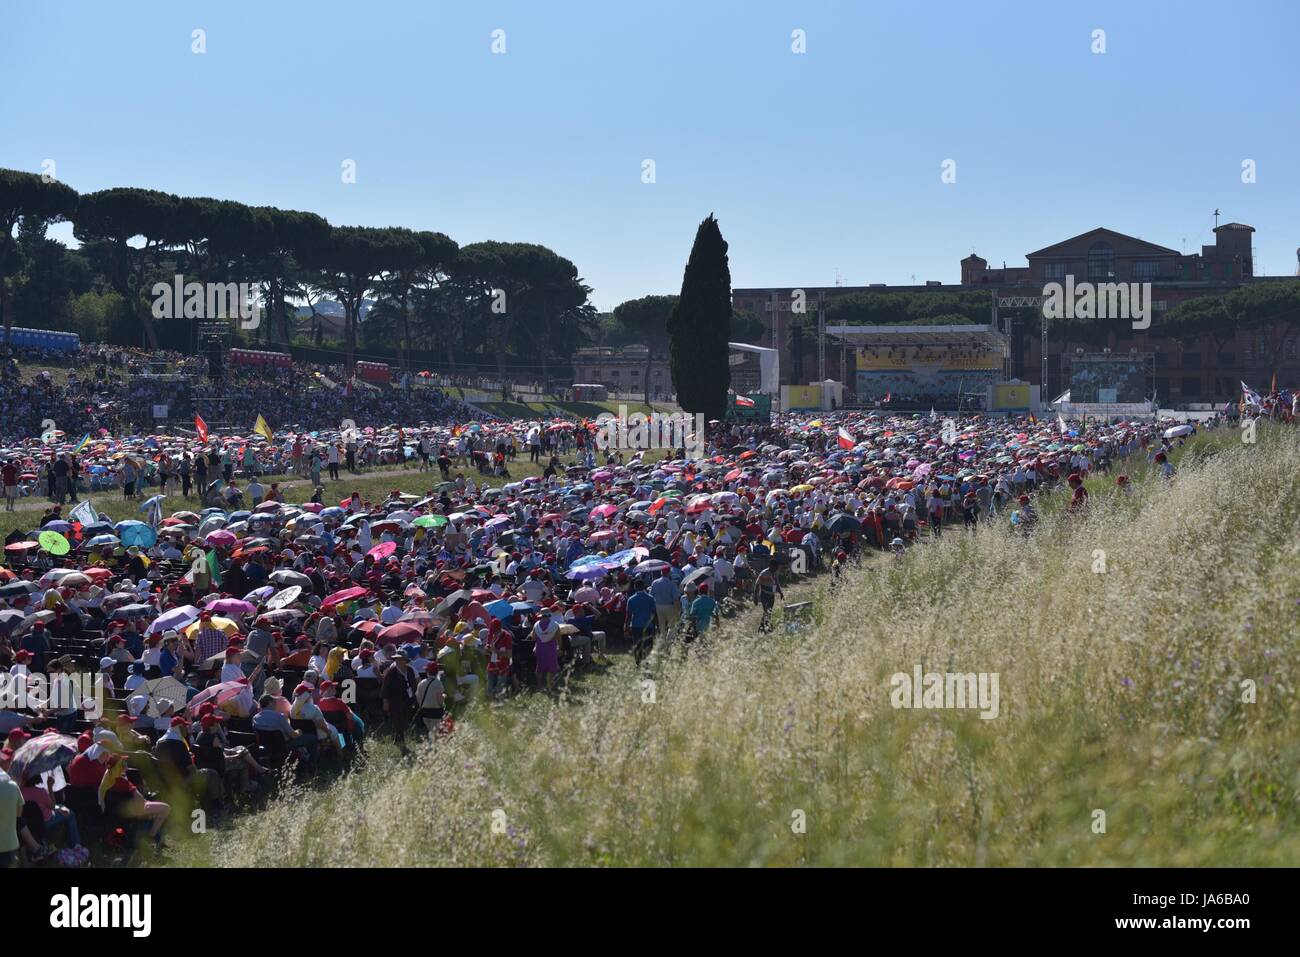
(744, 401)
(201, 427)
(846, 439)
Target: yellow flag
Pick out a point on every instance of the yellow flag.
(261, 428)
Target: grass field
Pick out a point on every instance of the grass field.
(1147, 663)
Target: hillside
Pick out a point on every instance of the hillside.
(1120, 691)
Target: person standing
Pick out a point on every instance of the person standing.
(546, 649)
(395, 691)
(668, 602)
(9, 478)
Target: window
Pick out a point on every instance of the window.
(1054, 271)
(1160, 305)
(1227, 358)
(1192, 385)
(1162, 387)
(1145, 271)
(1162, 359)
(1289, 348)
(1191, 360)
(1101, 261)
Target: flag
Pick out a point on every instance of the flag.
(1273, 388)
(85, 440)
(1060, 422)
(153, 506)
(932, 414)
(1033, 419)
(84, 513)
(213, 568)
(1249, 396)
(846, 439)
(744, 401)
(201, 427)
(261, 428)
(886, 398)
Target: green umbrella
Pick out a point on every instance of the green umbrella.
(53, 542)
(431, 521)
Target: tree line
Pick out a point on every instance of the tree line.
(493, 302)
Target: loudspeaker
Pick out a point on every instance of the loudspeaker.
(216, 357)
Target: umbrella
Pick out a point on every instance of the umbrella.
(590, 571)
(650, 566)
(231, 606)
(100, 540)
(284, 577)
(402, 631)
(136, 533)
(452, 600)
(281, 616)
(285, 598)
(158, 690)
(843, 523)
(217, 622)
(53, 542)
(1179, 430)
(173, 618)
(234, 697)
(697, 575)
(382, 550)
(347, 594)
(41, 755)
(220, 537)
(10, 618)
(134, 610)
(260, 594)
(501, 609)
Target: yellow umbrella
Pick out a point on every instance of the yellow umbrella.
(802, 488)
(221, 624)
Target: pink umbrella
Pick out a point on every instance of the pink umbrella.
(602, 536)
(604, 511)
(221, 537)
(347, 594)
(382, 550)
(234, 697)
(231, 606)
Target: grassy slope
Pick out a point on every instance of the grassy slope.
(1119, 692)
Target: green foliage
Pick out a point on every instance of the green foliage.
(908, 308)
(700, 326)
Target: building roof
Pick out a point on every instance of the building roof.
(1099, 233)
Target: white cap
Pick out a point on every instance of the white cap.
(106, 663)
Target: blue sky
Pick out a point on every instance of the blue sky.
(817, 165)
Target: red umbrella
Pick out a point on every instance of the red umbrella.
(403, 631)
(383, 550)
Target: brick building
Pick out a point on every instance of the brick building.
(1185, 371)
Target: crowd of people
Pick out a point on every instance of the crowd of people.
(244, 634)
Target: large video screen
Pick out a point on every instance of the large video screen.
(1109, 380)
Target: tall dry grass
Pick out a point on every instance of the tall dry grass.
(1121, 692)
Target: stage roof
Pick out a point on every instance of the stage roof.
(964, 335)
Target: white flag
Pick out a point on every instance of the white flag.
(1061, 422)
(84, 513)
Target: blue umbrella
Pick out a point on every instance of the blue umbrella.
(136, 533)
(500, 608)
(99, 540)
(585, 572)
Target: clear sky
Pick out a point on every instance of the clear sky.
(819, 166)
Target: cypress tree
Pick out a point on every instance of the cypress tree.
(699, 326)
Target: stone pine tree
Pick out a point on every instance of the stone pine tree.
(699, 326)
